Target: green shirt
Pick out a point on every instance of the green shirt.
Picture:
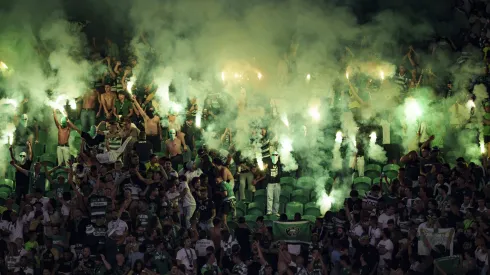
(225, 186)
(124, 107)
(162, 261)
(486, 128)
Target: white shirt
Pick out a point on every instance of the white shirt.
(374, 233)
(118, 227)
(188, 198)
(388, 246)
(383, 219)
(201, 246)
(187, 256)
(16, 230)
(190, 175)
(43, 200)
(30, 217)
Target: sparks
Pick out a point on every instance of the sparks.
(284, 119)
(198, 120)
(308, 77)
(73, 104)
(3, 66)
(373, 137)
(338, 137)
(412, 109)
(482, 147)
(223, 76)
(347, 75)
(382, 75)
(286, 144)
(260, 163)
(10, 138)
(129, 86)
(259, 75)
(470, 104)
(314, 113)
(11, 102)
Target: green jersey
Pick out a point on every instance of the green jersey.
(225, 186)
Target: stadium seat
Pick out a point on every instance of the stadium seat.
(8, 182)
(49, 159)
(256, 209)
(293, 208)
(391, 171)
(362, 188)
(289, 181)
(288, 189)
(372, 171)
(301, 196)
(6, 189)
(251, 221)
(312, 209)
(309, 218)
(260, 196)
(365, 180)
(305, 183)
(4, 196)
(241, 209)
(269, 220)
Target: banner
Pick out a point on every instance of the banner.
(450, 265)
(430, 237)
(291, 231)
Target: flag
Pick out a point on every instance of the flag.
(291, 231)
(430, 238)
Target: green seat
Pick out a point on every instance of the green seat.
(241, 209)
(293, 208)
(366, 180)
(251, 221)
(269, 220)
(49, 159)
(287, 189)
(290, 181)
(372, 171)
(8, 182)
(256, 209)
(312, 209)
(6, 189)
(301, 196)
(260, 196)
(4, 196)
(362, 188)
(305, 183)
(391, 171)
(309, 218)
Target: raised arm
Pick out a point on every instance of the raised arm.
(138, 107)
(29, 150)
(56, 119)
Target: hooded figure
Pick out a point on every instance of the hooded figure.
(63, 122)
(172, 133)
(25, 119)
(275, 157)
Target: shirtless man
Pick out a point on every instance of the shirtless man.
(174, 149)
(63, 150)
(223, 171)
(87, 115)
(107, 101)
(153, 129)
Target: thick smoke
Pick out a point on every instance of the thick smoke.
(240, 54)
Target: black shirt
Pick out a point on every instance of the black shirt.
(77, 230)
(48, 260)
(21, 179)
(143, 149)
(274, 172)
(190, 134)
(205, 209)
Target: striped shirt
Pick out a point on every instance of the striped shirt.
(240, 269)
(265, 147)
(371, 199)
(114, 143)
(402, 81)
(98, 206)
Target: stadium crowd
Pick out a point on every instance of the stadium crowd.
(144, 194)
